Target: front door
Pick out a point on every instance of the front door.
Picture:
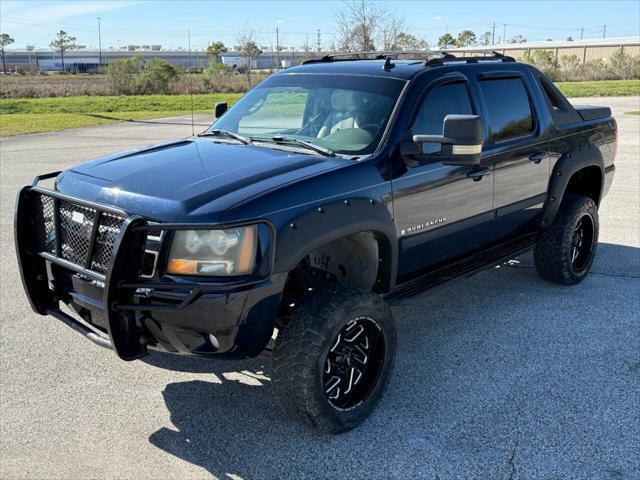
(441, 211)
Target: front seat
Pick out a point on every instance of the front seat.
(344, 111)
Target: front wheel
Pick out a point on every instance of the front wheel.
(333, 358)
(565, 251)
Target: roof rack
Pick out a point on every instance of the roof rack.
(367, 55)
(442, 57)
(492, 56)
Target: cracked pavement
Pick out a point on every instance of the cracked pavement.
(498, 376)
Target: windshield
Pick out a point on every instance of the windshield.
(346, 114)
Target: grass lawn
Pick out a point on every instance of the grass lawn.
(600, 88)
(20, 123)
(31, 115)
(632, 113)
(133, 103)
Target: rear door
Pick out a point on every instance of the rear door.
(441, 211)
(518, 151)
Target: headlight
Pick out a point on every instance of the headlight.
(213, 252)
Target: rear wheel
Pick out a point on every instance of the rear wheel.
(565, 251)
(333, 358)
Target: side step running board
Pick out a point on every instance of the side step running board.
(465, 267)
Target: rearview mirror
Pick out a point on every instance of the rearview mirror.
(461, 140)
(219, 109)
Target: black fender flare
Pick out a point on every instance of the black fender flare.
(578, 158)
(323, 224)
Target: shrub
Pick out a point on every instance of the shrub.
(620, 66)
(136, 75)
(545, 61)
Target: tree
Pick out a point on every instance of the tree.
(406, 41)
(248, 49)
(446, 41)
(214, 50)
(466, 38)
(569, 38)
(518, 39)
(5, 40)
(358, 24)
(485, 39)
(306, 46)
(391, 31)
(63, 43)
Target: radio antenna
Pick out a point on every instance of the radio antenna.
(190, 82)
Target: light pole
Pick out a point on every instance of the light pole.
(277, 48)
(99, 42)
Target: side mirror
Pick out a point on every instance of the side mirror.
(218, 109)
(461, 140)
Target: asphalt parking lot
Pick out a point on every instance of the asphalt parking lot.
(498, 376)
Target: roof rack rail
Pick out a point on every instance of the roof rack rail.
(492, 57)
(367, 55)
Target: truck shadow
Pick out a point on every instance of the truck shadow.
(463, 382)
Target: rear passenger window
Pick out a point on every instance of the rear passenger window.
(440, 102)
(509, 109)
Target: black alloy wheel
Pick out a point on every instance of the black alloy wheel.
(565, 251)
(352, 365)
(582, 242)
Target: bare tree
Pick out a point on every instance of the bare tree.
(392, 29)
(248, 49)
(358, 25)
(306, 46)
(485, 38)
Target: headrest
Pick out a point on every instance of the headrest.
(344, 100)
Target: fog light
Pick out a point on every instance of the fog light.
(214, 341)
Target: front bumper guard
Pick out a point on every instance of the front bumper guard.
(122, 281)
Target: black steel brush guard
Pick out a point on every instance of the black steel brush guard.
(122, 278)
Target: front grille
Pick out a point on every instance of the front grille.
(75, 229)
(105, 240)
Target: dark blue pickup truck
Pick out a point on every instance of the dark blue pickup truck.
(325, 190)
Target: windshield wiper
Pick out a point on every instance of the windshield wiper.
(226, 133)
(296, 141)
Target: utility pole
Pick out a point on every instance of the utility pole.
(493, 34)
(581, 33)
(504, 33)
(277, 47)
(604, 31)
(318, 44)
(99, 42)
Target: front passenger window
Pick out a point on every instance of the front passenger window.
(440, 102)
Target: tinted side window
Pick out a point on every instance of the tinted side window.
(440, 102)
(508, 107)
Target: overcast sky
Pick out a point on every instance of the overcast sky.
(167, 22)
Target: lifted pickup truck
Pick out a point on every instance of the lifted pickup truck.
(326, 189)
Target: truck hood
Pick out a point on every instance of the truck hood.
(193, 180)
